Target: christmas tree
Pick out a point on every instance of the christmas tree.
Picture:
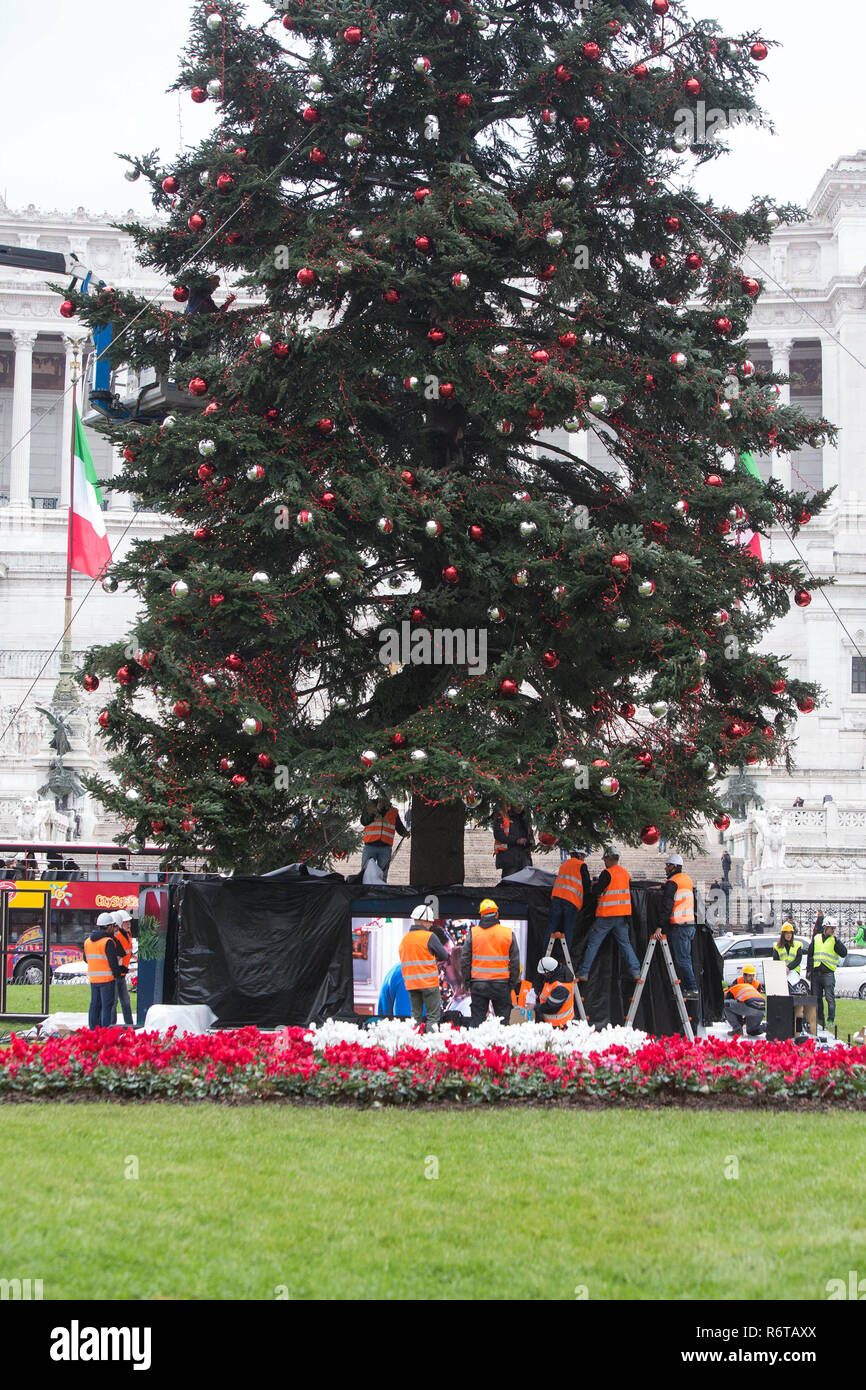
(463, 231)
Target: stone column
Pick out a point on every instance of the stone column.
(22, 406)
(781, 352)
(66, 431)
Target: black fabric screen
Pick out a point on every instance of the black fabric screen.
(275, 951)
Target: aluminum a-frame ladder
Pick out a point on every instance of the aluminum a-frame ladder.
(675, 984)
(578, 1000)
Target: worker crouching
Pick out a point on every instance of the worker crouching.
(556, 996)
(745, 1004)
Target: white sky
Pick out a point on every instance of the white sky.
(78, 82)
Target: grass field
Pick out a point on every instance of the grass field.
(254, 1203)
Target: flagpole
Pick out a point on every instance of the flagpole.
(66, 693)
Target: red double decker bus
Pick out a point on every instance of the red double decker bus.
(90, 883)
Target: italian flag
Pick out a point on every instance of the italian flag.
(750, 540)
(89, 551)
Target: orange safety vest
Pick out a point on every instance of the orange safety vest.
(569, 884)
(124, 947)
(381, 830)
(418, 963)
(683, 913)
(497, 846)
(518, 999)
(99, 972)
(615, 901)
(490, 948)
(566, 1013)
(744, 993)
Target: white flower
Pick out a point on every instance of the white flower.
(397, 1033)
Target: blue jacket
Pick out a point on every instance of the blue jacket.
(394, 996)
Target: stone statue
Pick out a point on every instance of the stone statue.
(771, 834)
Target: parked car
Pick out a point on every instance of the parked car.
(851, 975)
(738, 951)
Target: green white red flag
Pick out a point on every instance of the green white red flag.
(750, 540)
(89, 551)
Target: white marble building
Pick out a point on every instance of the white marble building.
(813, 324)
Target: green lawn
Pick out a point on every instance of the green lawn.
(241, 1203)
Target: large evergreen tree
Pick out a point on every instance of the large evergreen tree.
(465, 230)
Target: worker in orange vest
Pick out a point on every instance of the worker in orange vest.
(678, 914)
(381, 823)
(612, 916)
(513, 840)
(123, 941)
(556, 996)
(490, 960)
(573, 888)
(420, 950)
(103, 970)
(745, 1004)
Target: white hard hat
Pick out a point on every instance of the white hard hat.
(676, 860)
(423, 913)
(547, 965)
(830, 922)
(105, 919)
(610, 852)
(122, 916)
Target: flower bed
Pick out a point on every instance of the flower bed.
(395, 1067)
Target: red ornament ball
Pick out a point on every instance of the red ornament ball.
(451, 574)
(103, 719)
(239, 780)
(463, 101)
(204, 472)
(157, 826)
(722, 325)
(694, 261)
(180, 293)
(280, 350)
(714, 480)
(216, 599)
(446, 390)
(722, 822)
(198, 95)
(421, 193)
(562, 73)
(541, 356)
(650, 835)
(306, 277)
(202, 533)
(188, 824)
(621, 562)
(437, 336)
(196, 222)
(422, 243)
(640, 71)
(591, 51)
(311, 115)
(170, 184)
(749, 286)
(353, 34)
(568, 340)
(802, 598)
(325, 425)
(124, 675)
(476, 533)
(198, 386)
(627, 711)
(265, 760)
(90, 682)
(67, 309)
(581, 124)
(659, 261)
(182, 709)
(661, 7)
(508, 688)
(806, 705)
(407, 477)
(759, 51)
(693, 87)
(318, 156)
(671, 223)
(234, 662)
(391, 297)
(225, 182)
(550, 660)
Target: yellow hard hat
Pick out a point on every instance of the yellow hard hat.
(787, 926)
(488, 908)
(748, 970)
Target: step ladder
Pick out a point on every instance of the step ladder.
(578, 1000)
(675, 984)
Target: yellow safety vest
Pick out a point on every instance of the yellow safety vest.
(825, 953)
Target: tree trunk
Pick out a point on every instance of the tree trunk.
(436, 844)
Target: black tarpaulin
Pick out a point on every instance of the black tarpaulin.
(278, 950)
